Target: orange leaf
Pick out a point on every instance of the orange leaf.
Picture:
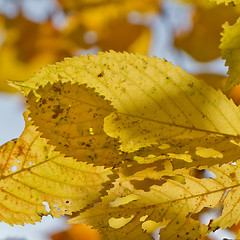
(77, 232)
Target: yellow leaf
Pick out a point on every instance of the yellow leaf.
(172, 201)
(108, 31)
(31, 40)
(122, 35)
(27, 47)
(214, 80)
(71, 117)
(160, 109)
(203, 40)
(230, 52)
(230, 180)
(227, 2)
(33, 175)
(211, 3)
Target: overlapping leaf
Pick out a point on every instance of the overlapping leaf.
(230, 46)
(118, 107)
(217, 81)
(158, 106)
(32, 175)
(71, 117)
(230, 178)
(173, 201)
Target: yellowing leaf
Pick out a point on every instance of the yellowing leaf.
(27, 47)
(71, 116)
(171, 201)
(111, 30)
(227, 2)
(230, 52)
(31, 40)
(156, 105)
(229, 178)
(214, 80)
(203, 40)
(136, 38)
(34, 176)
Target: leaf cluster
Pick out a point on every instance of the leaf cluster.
(121, 140)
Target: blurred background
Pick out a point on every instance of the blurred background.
(35, 33)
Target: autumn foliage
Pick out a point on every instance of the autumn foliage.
(122, 141)
(77, 232)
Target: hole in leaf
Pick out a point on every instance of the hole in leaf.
(209, 213)
(225, 194)
(46, 206)
(209, 174)
(119, 222)
(14, 169)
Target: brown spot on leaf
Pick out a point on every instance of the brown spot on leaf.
(101, 74)
(57, 111)
(233, 175)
